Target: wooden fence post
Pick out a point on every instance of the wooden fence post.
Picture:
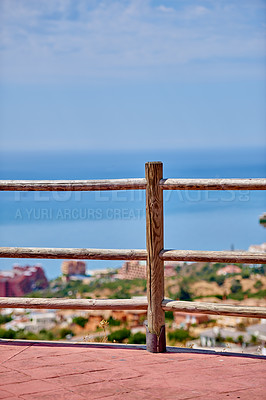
(155, 328)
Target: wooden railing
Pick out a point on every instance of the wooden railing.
(154, 254)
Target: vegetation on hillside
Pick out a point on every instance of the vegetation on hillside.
(113, 289)
(42, 335)
(192, 281)
(198, 280)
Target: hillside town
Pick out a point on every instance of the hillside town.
(22, 280)
(209, 282)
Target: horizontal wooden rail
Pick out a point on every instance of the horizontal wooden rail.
(73, 304)
(132, 304)
(214, 309)
(70, 185)
(213, 184)
(133, 184)
(245, 257)
(77, 254)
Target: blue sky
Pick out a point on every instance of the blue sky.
(103, 75)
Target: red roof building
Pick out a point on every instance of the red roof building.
(229, 269)
(22, 280)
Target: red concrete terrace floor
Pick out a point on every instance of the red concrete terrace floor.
(48, 371)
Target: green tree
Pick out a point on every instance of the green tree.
(220, 279)
(236, 286)
(184, 294)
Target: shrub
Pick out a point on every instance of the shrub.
(240, 339)
(241, 327)
(219, 338)
(21, 334)
(137, 338)
(258, 285)
(27, 335)
(5, 318)
(81, 321)
(7, 334)
(177, 269)
(119, 336)
(98, 339)
(46, 335)
(113, 322)
(254, 339)
(261, 294)
(64, 332)
(236, 286)
(169, 315)
(259, 269)
(121, 294)
(229, 339)
(220, 279)
(236, 296)
(184, 294)
(179, 335)
(245, 273)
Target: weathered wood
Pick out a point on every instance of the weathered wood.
(133, 184)
(214, 309)
(245, 257)
(154, 239)
(132, 304)
(74, 185)
(213, 184)
(77, 254)
(133, 254)
(73, 304)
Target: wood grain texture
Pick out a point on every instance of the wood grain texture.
(73, 304)
(133, 184)
(132, 254)
(70, 254)
(244, 257)
(154, 240)
(214, 309)
(213, 184)
(132, 304)
(74, 185)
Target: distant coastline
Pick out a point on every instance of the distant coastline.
(200, 221)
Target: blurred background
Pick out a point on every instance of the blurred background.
(94, 89)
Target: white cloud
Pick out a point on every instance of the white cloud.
(166, 9)
(55, 39)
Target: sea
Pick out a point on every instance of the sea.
(195, 220)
